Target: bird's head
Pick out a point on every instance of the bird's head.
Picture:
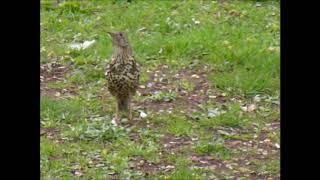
(119, 39)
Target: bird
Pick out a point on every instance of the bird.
(122, 74)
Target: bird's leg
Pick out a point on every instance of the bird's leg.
(117, 118)
(130, 117)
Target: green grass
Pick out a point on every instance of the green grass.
(216, 149)
(54, 112)
(179, 127)
(237, 40)
(268, 167)
(232, 118)
(163, 96)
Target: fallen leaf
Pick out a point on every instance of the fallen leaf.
(143, 114)
(169, 167)
(78, 173)
(142, 29)
(104, 152)
(226, 43)
(229, 166)
(264, 153)
(249, 108)
(113, 121)
(195, 76)
(215, 112)
(244, 108)
(160, 51)
(223, 132)
(84, 45)
(149, 85)
(252, 107)
(257, 98)
(235, 143)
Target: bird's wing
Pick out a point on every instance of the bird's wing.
(109, 65)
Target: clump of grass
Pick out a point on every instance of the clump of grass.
(179, 126)
(184, 170)
(57, 85)
(183, 173)
(48, 148)
(185, 84)
(69, 7)
(232, 118)
(54, 112)
(143, 77)
(269, 167)
(239, 137)
(147, 151)
(97, 131)
(163, 96)
(216, 149)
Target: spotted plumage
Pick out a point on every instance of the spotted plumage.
(122, 74)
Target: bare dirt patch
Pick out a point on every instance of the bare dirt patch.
(50, 133)
(174, 144)
(190, 86)
(53, 73)
(207, 162)
(144, 166)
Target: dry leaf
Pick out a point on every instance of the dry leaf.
(252, 107)
(195, 76)
(84, 45)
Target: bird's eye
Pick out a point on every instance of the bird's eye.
(120, 34)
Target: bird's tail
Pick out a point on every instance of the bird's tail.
(123, 103)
